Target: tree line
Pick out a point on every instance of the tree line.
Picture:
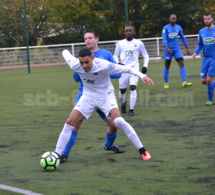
(58, 22)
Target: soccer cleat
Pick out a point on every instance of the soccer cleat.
(209, 103)
(166, 85)
(63, 158)
(131, 112)
(123, 108)
(115, 149)
(145, 154)
(185, 84)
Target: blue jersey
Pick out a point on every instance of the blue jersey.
(206, 42)
(170, 36)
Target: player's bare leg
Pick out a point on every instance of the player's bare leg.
(122, 94)
(111, 136)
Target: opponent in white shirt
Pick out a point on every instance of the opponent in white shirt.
(98, 93)
(127, 52)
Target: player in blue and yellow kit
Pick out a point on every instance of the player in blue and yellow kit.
(91, 40)
(170, 35)
(207, 43)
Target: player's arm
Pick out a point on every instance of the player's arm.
(115, 76)
(76, 77)
(111, 59)
(117, 53)
(114, 68)
(72, 61)
(165, 37)
(145, 58)
(181, 34)
(199, 47)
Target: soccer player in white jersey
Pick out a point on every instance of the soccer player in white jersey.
(98, 93)
(127, 52)
(91, 39)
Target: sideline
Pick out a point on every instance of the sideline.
(17, 190)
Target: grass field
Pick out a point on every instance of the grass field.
(173, 124)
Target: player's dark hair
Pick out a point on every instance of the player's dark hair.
(92, 31)
(208, 14)
(84, 52)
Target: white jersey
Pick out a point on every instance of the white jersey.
(97, 82)
(128, 52)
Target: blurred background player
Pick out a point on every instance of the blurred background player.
(207, 43)
(127, 52)
(170, 35)
(91, 39)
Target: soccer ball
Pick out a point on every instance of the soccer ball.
(49, 161)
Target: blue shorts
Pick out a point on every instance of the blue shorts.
(176, 53)
(101, 114)
(208, 67)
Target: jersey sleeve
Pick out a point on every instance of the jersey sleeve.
(115, 76)
(116, 69)
(199, 46)
(110, 57)
(145, 54)
(117, 53)
(71, 60)
(76, 77)
(164, 35)
(181, 34)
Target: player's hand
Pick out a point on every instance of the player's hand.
(194, 56)
(188, 52)
(148, 80)
(120, 63)
(169, 50)
(144, 70)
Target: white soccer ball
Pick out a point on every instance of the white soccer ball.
(50, 161)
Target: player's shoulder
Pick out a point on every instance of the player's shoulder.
(166, 26)
(122, 41)
(178, 26)
(202, 30)
(105, 51)
(99, 61)
(137, 41)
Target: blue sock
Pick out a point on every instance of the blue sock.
(166, 75)
(110, 138)
(183, 73)
(210, 91)
(70, 144)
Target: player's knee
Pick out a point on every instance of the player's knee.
(122, 91)
(167, 64)
(203, 81)
(209, 80)
(132, 87)
(180, 61)
(71, 122)
(181, 64)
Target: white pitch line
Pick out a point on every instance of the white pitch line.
(17, 190)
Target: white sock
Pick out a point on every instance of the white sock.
(64, 138)
(122, 97)
(133, 98)
(129, 131)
